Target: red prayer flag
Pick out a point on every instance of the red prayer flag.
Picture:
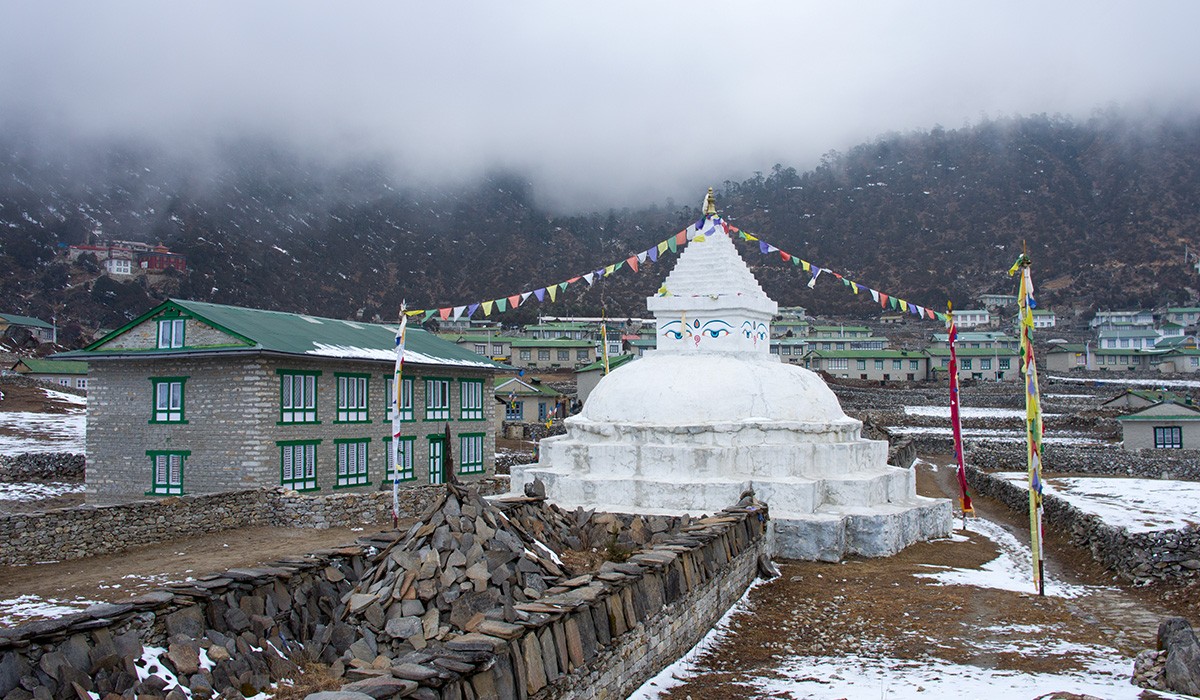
(444, 313)
(785, 256)
(681, 238)
(955, 423)
(632, 262)
(514, 301)
(883, 300)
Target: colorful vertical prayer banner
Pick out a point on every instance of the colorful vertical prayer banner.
(397, 393)
(1033, 418)
(956, 422)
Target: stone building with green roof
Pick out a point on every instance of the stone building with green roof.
(72, 373)
(194, 397)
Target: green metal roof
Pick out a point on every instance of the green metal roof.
(40, 366)
(476, 338)
(257, 330)
(551, 343)
(613, 362)
(973, 352)
(519, 387)
(18, 320)
(869, 354)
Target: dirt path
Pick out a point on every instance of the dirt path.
(116, 576)
(868, 627)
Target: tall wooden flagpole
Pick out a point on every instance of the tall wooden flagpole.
(1033, 418)
(397, 392)
(955, 418)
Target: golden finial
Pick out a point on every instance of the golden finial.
(710, 204)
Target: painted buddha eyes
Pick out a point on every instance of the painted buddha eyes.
(716, 328)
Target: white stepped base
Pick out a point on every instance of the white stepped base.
(876, 531)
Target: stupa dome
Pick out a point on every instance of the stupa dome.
(706, 389)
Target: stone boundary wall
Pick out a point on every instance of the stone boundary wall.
(1090, 459)
(250, 627)
(42, 466)
(83, 531)
(1137, 557)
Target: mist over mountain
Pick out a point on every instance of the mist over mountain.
(1106, 207)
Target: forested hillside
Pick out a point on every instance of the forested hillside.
(1106, 207)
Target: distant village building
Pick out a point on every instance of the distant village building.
(976, 339)
(588, 376)
(1127, 337)
(494, 346)
(996, 301)
(1166, 425)
(525, 400)
(121, 258)
(984, 364)
(1044, 318)
(61, 372)
(1137, 399)
(872, 365)
(1186, 316)
(193, 397)
(972, 318)
(559, 353)
(790, 350)
(14, 325)
(1114, 319)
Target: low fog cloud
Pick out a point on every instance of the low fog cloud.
(602, 104)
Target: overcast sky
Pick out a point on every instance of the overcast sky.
(601, 103)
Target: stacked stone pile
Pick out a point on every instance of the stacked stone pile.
(469, 562)
(42, 466)
(1175, 664)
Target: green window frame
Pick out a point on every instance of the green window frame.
(879, 364)
(166, 472)
(171, 332)
(914, 364)
(298, 396)
(1004, 363)
(524, 354)
(470, 399)
(861, 364)
(544, 355)
(966, 363)
(581, 355)
(407, 446)
(353, 391)
(437, 458)
(1168, 437)
(437, 398)
(167, 400)
(351, 463)
(470, 453)
(298, 464)
(406, 398)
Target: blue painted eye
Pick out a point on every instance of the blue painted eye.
(717, 333)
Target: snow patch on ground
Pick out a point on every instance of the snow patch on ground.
(997, 434)
(1012, 570)
(969, 412)
(30, 491)
(23, 608)
(64, 397)
(26, 431)
(1139, 505)
(1131, 382)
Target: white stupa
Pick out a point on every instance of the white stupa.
(711, 413)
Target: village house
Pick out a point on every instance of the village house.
(972, 318)
(871, 365)
(1125, 359)
(976, 339)
(1064, 357)
(62, 372)
(1127, 337)
(1166, 425)
(14, 325)
(840, 331)
(1114, 319)
(790, 350)
(558, 353)
(493, 345)
(527, 400)
(1044, 318)
(196, 398)
(990, 364)
(1179, 360)
(1186, 316)
(121, 258)
(588, 376)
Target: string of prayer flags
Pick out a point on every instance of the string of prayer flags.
(885, 301)
(502, 304)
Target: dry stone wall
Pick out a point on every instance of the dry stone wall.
(73, 533)
(1138, 557)
(595, 635)
(1088, 459)
(42, 466)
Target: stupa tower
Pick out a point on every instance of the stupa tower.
(711, 413)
